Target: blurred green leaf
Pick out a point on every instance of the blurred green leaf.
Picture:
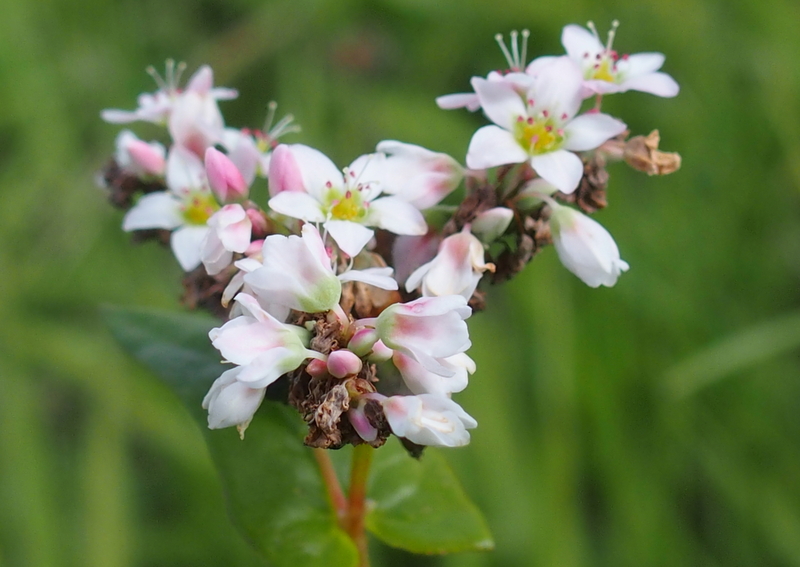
(274, 490)
(420, 506)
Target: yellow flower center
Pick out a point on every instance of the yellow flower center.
(603, 71)
(199, 207)
(538, 135)
(349, 206)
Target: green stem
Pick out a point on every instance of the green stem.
(334, 489)
(359, 474)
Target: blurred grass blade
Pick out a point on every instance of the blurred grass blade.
(734, 354)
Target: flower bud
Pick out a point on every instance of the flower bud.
(284, 171)
(259, 221)
(343, 363)
(584, 247)
(380, 352)
(491, 224)
(363, 341)
(138, 157)
(224, 177)
(317, 368)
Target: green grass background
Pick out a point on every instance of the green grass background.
(654, 423)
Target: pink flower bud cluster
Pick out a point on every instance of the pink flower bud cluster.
(354, 285)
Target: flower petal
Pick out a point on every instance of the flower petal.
(154, 210)
(578, 41)
(557, 89)
(659, 84)
(640, 64)
(186, 243)
(501, 103)
(397, 216)
(378, 277)
(297, 205)
(560, 168)
(447, 102)
(492, 146)
(317, 170)
(351, 237)
(588, 131)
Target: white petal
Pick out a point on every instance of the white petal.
(535, 66)
(201, 81)
(659, 84)
(351, 237)
(641, 64)
(492, 146)
(557, 89)
(186, 245)
(447, 102)
(154, 210)
(185, 171)
(317, 169)
(501, 103)
(578, 41)
(268, 367)
(397, 216)
(379, 277)
(588, 131)
(560, 168)
(297, 205)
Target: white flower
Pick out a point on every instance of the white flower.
(296, 272)
(456, 269)
(158, 106)
(230, 402)
(261, 345)
(229, 232)
(428, 419)
(584, 247)
(604, 71)
(427, 329)
(185, 208)
(306, 185)
(541, 128)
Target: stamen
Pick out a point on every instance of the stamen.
(590, 25)
(611, 33)
(328, 184)
(179, 73)
(515, 50)
(157, 78)
(525, 35)
(272, 106)
(530, 120)
(545, 113)
(564, 116)
(499, 39)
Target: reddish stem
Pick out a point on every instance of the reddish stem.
(359, 474)
(334, 489)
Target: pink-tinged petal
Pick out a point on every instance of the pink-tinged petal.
(397, 216)
(415, 279)
(202, 80)
(640, 64)
(659, 84)
(500, 101)
(297, 205)
(579, 41)
(457, 100)
(433, 306)
(230, 402)
(492, 146)
(378, 277)
(317, 170)
(588, 131)
(560, 168)
(186, 244)
(154, 210)
(410, 252)
(284, 171)
(557, 89)
(349, 236)
(313, 241)
(185, 171)
(196, 122)
(149, 157)
(243, 152)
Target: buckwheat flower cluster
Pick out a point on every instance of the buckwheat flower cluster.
(346, 291)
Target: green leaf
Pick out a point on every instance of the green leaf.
(274, 490)
(420, 506)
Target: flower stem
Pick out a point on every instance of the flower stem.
(334, 489)
(359, 474)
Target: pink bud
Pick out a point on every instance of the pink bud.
(380, 352)
(147, 157)
(284, 172)
(362, 341)
(343, 363)
(492, 223)
(317, 368)
(258, 220)
(224, 177)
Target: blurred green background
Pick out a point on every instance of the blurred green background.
(655, 423)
